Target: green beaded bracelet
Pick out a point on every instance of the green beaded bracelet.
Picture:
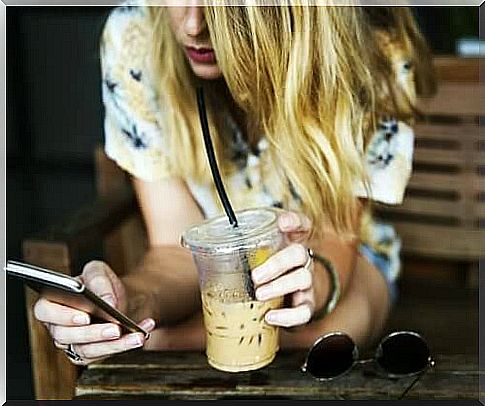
(335, 281)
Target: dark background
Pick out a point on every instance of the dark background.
(54, 121)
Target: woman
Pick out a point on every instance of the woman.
(309, 108)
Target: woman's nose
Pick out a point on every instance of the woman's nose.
(194, 23)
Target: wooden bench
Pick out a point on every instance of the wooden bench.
(444, 207)
(112, 224)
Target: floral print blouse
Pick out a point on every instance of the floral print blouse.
(135, 138)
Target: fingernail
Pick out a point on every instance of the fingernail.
(286, 221)
(147, 324)
(270, 317)
(111, 332)
(256, 275)
(262, 293)
(135, 340)
(81, 319)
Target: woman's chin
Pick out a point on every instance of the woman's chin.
(206, 71)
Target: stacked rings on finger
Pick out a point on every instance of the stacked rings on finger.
(72, 354)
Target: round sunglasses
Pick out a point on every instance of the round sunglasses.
(402, 353)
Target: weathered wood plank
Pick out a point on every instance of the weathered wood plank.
(186, 375)
(453, 69)
(443, 241)
(281, 379)
(480, 209)
(449, 132)
(461, 158)
(109, 176)
(427, 206)
(446, 385)
(124, 245)
(447, 181)
(53, 375)
(465, 99)
(156, 360)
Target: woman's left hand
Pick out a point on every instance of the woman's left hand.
(285, 273)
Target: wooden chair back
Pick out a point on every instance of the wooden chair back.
(445, 200)
(125, 245)
(114, 219)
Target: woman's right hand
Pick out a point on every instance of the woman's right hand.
(72, 328)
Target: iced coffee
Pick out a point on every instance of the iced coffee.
(238, 338)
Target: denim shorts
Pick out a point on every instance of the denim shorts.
(389, 264)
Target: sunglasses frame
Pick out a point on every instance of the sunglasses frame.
(355, 353)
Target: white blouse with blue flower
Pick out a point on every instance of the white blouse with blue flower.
(135, 138)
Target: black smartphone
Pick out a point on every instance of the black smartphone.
(66, 290)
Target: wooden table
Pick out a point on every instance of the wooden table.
(186, 375)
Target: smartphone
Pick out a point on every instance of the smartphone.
(68, 291)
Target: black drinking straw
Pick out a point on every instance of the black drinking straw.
(248, 282)
(212, 158)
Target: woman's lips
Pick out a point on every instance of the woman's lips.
(201, 55)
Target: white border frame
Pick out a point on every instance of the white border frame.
(3, 83)
(3, 215)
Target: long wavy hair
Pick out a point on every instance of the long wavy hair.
(307, 78)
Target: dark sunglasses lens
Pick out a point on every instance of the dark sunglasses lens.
(331, 356)
(403, 354)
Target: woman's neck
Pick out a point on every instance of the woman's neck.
(225, 102)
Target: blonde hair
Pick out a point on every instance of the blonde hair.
(306, 76)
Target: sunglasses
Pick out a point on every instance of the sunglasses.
(399, 354)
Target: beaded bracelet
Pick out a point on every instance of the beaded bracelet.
(335, 281)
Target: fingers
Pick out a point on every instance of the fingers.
(293, 256)
(298, 280)
(93, 342)
(102, 349)
(71, 329)
(292, 222)
(92, 333)
(60, 346)
(85, 334)
(50, 312)
(290, 317)
(148, 325)
(97, 277)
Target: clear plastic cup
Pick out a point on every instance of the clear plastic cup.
(238, 338)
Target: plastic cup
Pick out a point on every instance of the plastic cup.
(238, 338)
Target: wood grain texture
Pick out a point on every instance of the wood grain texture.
(441, 241)
(59, 248)
(463, 99)
(124, 245)
(433, 300)
(442, 210)
(455, 377)
(109, 176)
(453, 131)
(186, 375)
(449, 68)
(416, 205)
(54, 376)
(459, 157)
